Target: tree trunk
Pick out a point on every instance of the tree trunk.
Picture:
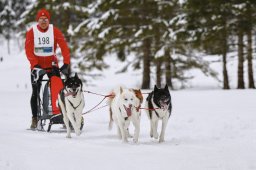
(240, 83)
(168, 68)
(249, 58)
(225, 71)
(146, 64)
(158, 72)
(8, 45)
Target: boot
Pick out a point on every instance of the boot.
(34, 123)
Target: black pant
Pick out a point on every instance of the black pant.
(36, 91)
(35, 95)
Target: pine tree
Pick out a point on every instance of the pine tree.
(123, 23)
(1, 9)
(250, 23)
(210, 23)
(7, 21)
(140, 27)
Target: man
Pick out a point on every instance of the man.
(41, 43)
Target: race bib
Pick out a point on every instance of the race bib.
(43, 42)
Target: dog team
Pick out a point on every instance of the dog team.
(124, 108)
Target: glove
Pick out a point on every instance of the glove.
(36, 72)
(55, 72)
(37, 66)
(65, 69)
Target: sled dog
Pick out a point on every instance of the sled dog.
(123, 111)
(160, 99)
(136, 115)
(71, 103)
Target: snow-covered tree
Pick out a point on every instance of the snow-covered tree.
(7, 21)
(143, 28)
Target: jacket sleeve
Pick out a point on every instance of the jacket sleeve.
(29, 48)
(63, 45)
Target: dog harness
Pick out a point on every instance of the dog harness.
(73, 105)
(63, 96)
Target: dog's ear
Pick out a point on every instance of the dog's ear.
(166, 87)
(155, 88)
(121, 90)
(76, 76)
(81, 85)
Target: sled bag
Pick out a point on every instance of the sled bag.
(56, 85)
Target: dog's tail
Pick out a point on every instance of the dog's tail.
(110, 124)
(111, 97)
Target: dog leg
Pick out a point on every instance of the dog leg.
(136, 124)
(151, 129)
(164, 124)
(78, 117)
(65, 119)
(126, 127)
(123, 133)
(73, 122)
(156, 135)
(154, 123)
(128, 133)
(119, 132)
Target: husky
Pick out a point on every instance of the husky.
(136, 115)
(160, 99)
(71, 103)
(122, 111)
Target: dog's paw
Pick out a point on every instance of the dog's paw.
(161, 140)
(135, 140)
(78, 132)
(125, 141)
(156, 135)
(151, 133)
(129, 135)
(68, 136)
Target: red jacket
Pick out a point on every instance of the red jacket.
(46, 62)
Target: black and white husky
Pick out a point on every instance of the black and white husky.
(71, 103)
(160, 99)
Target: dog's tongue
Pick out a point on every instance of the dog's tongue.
(164, 106)
(128, 110)
(68, 94)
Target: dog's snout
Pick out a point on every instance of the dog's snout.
(164, 99)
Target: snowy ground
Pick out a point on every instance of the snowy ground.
(208, 130)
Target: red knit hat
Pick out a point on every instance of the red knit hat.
(43, 12)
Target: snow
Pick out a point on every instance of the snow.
(138, 33)
(160, 53)
(104, 33)
(209, 129)
(66, 5)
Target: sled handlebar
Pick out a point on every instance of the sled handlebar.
(44, 72)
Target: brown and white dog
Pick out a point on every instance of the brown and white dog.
(124, 108)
